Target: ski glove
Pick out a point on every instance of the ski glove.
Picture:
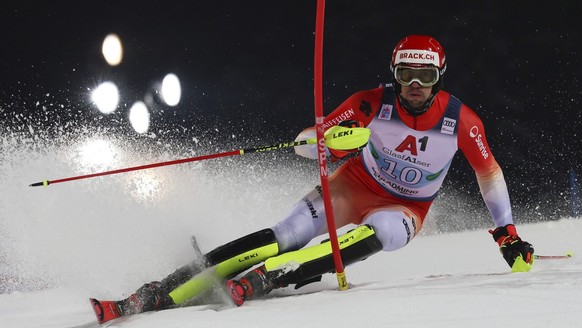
(517, 253)
(337, 154)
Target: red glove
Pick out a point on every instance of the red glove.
(337, 154)
(516, 252)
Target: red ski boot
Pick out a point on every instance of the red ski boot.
(149, 297)
(252, 285)
(236, 290)
(105, 310)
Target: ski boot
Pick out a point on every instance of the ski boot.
(105, 310)
(252, 285)
(149, 297)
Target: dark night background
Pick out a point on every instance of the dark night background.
(247, 66)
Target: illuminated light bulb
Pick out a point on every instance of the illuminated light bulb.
(106, 97)
(171, 90)
(112, 50)
(139, 117)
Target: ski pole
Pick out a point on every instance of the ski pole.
(554, 257)
(336, 137)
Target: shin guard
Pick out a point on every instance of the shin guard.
(306, 265)
(227, 261)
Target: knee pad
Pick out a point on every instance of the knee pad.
(394, 229)
(305, 221)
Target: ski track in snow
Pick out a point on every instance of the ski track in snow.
(449, 280)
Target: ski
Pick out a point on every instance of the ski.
(203, 284)
(105, 310)
(198, 253)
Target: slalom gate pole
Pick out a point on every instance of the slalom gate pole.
(322, 157)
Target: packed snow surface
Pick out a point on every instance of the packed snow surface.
(105, 237)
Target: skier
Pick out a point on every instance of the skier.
(385, 188)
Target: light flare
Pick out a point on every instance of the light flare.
(146, 186)
(106, 97)
(97, 154)
(112, 49)
(139, 117)
(171, 89)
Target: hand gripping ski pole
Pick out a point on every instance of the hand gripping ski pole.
(336, 137)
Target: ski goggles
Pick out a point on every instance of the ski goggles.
(425, 76)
